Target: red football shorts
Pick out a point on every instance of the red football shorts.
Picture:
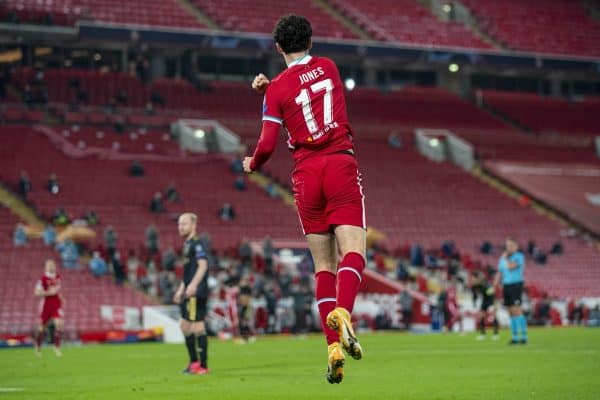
(49, 313)
(328, 192)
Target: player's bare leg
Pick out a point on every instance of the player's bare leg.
(39, 338)
(352, 241)
(58, 324)
(323, 250)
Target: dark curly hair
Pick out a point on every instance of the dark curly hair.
(292, 33)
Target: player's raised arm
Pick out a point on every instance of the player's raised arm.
(264, 148)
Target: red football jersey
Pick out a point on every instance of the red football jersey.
(46, 282)
(307, 99)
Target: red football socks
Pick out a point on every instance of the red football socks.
(349, 276)
(57, 337)
(325, 295)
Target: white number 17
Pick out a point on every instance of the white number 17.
(303, 99)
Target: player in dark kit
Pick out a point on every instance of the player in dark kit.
(484, 289)
(307, 99)
(51, 314)
(192, 296)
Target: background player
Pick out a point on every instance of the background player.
(511, 268)
(192, 296)
(48, 289)
(308, 100)
(481, 287)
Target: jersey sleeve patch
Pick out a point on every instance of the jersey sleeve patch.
(200, 253)
(270, 109)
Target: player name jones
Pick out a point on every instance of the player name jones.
(311, 75)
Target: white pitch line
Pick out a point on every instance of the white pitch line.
(9, 389)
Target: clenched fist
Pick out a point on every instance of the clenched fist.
(260, 83)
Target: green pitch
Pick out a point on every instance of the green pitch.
(557, 364)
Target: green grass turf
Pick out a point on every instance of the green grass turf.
(557, 364)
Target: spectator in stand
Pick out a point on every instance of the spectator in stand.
(486, 247)
(98, 265)
(133, 262)
(245, 309)
(19, 235)
(171, 193)
(152, 279)
(167, 282)
(594, 318)
(268, 251)
(81, 96)
(52, 185)
(157, 99)
(557, 248)
(539, 256)
(24, 186)
(406, 304)
(156, 205)
(49, 235)
(111, 106)
(118, 268)
(270, 293)
(110, 241)
(431, 260)
(91, 218)
(141, 277)
(122, 97)
(151, 240)
(149, 108)
(394, 141)
(136, 169)
(402, 272)
(240, 183)
(142, 69)
(28, 96)
(169, 259)
(531, 246)
(448, 248)
(271, 190)
(543, 315)
(236, 165)
(69, 254)
(302, 296)
(245, 254)
(60, 217)
(416, 255)
(226, 213)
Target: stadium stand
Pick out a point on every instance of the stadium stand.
(67, 12)
(244, 16)
(545, 114)
(413, 200)
(524, 25)
(572, 188)
(123, 201)
(408, 22)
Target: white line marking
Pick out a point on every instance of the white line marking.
(9, 389)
